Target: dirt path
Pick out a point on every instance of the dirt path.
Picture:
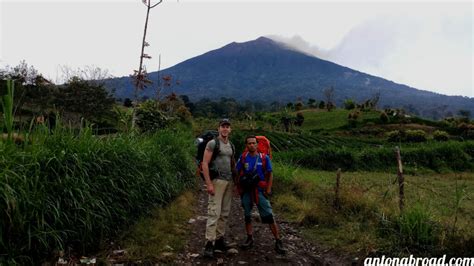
(299, 252)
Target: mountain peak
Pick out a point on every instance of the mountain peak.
(261, 44)
(263, 39)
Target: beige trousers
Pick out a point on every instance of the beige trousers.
(218, 209)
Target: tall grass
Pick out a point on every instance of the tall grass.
(7, 106)
(67, 190)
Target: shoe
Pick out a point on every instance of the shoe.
(248, 243)
(279, 247)
(221, 245)
(209, 250)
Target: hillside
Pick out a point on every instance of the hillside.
(268, 71)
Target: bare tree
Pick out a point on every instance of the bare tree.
(140, 75)
(329, 95)
(91, 73)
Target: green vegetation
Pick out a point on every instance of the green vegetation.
(65, 190)
(369, 221)
(7, 107)
(446, 156)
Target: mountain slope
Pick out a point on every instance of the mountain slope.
(265, 70)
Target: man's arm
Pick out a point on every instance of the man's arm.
(269, 183)
(236, 170)
(205, 170)
(269, 176)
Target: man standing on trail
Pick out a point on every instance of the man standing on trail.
(255, 185)
(218, 165)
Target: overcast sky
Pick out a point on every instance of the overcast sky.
(426, 45)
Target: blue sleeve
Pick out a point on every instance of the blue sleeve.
(268, 164)
(239, 164)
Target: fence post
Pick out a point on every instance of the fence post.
(401, 180)
(337, 201)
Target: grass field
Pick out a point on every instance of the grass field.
(439, 210)
(318, 119)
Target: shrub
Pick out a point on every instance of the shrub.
(395, 136)
(150, 118)
(299, 106)
(414, 230)
(352, 118)
(384, 117)
(415, 135)
(440, 135)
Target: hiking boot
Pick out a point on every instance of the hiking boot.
(209, 250)
(221, 245)
(279, 247)
(247, 244)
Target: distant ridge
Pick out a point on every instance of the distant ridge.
(265, 70)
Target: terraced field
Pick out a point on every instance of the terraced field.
(286, 141)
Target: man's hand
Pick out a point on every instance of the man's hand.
(210, 189)
(268, 192)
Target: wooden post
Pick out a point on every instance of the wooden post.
(401, 180)
(337, 201)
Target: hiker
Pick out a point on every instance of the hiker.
(255, 186)
(217, 170)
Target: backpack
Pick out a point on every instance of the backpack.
(201, 143)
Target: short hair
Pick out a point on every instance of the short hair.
(250, 137)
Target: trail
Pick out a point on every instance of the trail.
(299, 251)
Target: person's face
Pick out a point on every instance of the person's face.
(224, 130)
(252, 144)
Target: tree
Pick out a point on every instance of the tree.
(299, 119)
(349, 104)
(32, 90)
(384, 117)
(329, 95)
(127, 102)
(322, 105)
(140, 75)
(88, 99)
(312, 103)
(191, 107)
(91, 73)
(465, 114)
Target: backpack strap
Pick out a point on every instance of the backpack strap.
(264, 162)
(243, 157)
(216, 150)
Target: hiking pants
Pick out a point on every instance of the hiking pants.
(218, 209)
(264, 207)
